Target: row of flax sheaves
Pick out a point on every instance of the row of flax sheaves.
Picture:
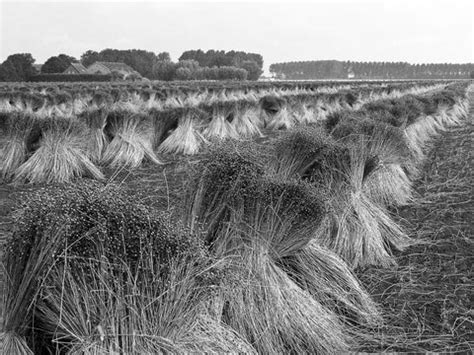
(59, 142)
(67, 101)
(299, 214)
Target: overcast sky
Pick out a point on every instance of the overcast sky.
(415, 31)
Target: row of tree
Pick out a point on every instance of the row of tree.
(333, 69)
(192, 65)
(251, 62)
(191, 70)
(140, 60)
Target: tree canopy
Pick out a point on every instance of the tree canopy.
(251, 62)
(17, 67)
(57, 64)
(192, 65)
(140, 60)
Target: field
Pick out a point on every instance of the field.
(282, 217)
(428, 297)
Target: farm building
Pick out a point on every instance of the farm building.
(76, 68)
(109, 67)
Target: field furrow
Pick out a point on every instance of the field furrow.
(427, 298)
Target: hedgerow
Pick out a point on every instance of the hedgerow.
(69, 78)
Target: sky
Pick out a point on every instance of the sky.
(414, 31)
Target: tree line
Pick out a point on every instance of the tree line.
(333, 69)
(192, 65)
(251, 62)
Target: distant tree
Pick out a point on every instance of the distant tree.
(190, 64)
(17, 67)
(89, 57)
(163, 56)
(190, 54)
(332, 69)
(57, 64)
(252, 68)
(140, 60)
(8, 72)
(53, 65)
(164, 70)
(67, 58)
(197, 55)
(257, 58)
(207, 73)
(231, 73)
(276, 70)
(184, 73)
(220, 58)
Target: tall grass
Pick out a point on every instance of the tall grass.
(306, 110)
(15, 130)
(62, 154)
(109, 257)
(220, 125)
(283, 119)
(273, 313)
(360, 231)
(11, 343)
(328, 279)
(283, 213)
(96, 120)
(164, 122)
(302, 150)
(132, 138)
(357, 226)
(24, 267)
(381, 161)
(94, 306)
(225, 172)
(265, 224)
(247, 121)
(187, 137)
